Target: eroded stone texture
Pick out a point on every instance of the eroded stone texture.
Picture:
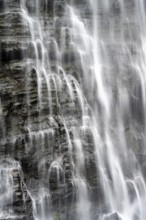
(18, 83)
(26, 126)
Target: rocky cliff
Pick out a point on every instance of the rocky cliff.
(48, 98)
(36, 133)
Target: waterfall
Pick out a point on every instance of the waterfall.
(73, 109)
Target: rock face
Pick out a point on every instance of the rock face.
(113, 216)
(40, 109)
(55, 119)
(15, 199)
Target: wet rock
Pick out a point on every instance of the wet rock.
(59, 8)
(116, 7)
(2, 5)
(17, 198)
(7, 56)
(136, 101)
(38, 127)
(112, 216)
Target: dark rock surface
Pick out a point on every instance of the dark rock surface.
(113, 216)
(37, 147)
(16, 202)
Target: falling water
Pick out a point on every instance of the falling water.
(85, 98)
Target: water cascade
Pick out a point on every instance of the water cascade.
(72, 109)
